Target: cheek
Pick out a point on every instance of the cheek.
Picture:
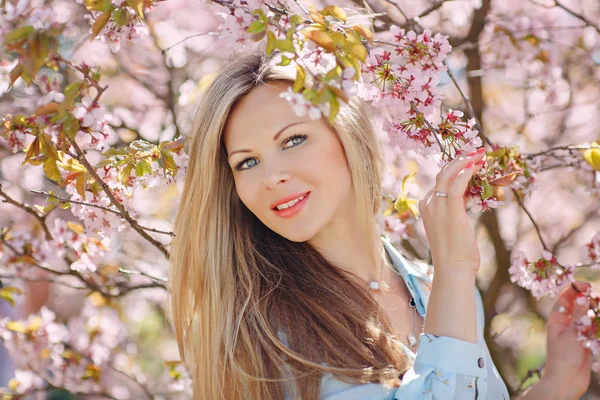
(336, 165)
(248, 194)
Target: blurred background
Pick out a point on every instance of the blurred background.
(96, 287)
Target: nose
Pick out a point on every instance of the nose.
(275, 175)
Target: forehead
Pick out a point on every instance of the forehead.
(260, 112)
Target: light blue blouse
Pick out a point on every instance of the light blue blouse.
(444, 368)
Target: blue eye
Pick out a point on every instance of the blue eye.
(302, 138)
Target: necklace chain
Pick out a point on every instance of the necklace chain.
(375, 286)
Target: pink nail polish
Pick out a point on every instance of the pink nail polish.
(471, 154)
(470, 164)
(480, 162)
(481, 150)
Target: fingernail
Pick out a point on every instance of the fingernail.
(480, 162)
(471, 154)
(470, 164)
(481, 150)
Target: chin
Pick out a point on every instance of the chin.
(295, 235)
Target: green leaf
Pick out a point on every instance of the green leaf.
(256, 26)
(334, 108)
(285, 61)
(488, 190)
(114, 152)
(270, 42)
(20, 33)
(143, 168)
(168, 163)
(121, 17)
(125, 173)
(285, 45)
(70, 126)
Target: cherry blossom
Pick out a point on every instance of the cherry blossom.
(543, 277)
(301, 105)
(590, 252)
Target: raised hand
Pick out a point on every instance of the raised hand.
(568, 364)
(451, 238)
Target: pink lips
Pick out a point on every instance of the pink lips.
(293, 210)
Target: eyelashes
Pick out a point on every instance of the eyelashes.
(238, 166)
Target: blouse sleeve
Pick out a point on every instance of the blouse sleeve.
(446, 368)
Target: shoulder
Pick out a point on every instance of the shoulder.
(425, 269)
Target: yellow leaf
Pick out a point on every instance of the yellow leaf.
(320, 38)
(504, 180)
(15, 73)
(51, 170)
(315, 15)
(50, 108)
(592, 156)
(300, 76)
(16, 326)
(339, 93)
(80, 185)
(364, 32)
(98, 5)
(335, 11)
(33, 149)
(13, 384)
(100, 23)
(357, 50)
(138, 6)
(334, 108)
(75, 227)
(407, 180)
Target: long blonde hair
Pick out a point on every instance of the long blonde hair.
(235, 283)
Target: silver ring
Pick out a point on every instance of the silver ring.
(441, 194)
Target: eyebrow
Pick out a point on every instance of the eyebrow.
(274, 138)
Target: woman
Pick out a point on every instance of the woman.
(281, 285)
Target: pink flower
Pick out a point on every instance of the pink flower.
(90, 113)
(300, 104)
(543, 277)
(590, 252)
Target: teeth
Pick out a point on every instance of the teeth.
(290, 203)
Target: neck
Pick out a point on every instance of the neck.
(351, 251)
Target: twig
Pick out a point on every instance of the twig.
(301, 7)
(132, 272)
(100, 207)
(123, 211)
(577, 15)
(535, 225)
(26, 279)
(163, 51)
(468, 104)
(30, 211)
(558, 148)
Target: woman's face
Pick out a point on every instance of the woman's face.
(274, 154)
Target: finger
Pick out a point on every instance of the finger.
(447, 174)
(456, 192)
(569, 295)
(558, 322)
(581, 305)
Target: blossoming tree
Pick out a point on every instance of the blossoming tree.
(95, 100)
